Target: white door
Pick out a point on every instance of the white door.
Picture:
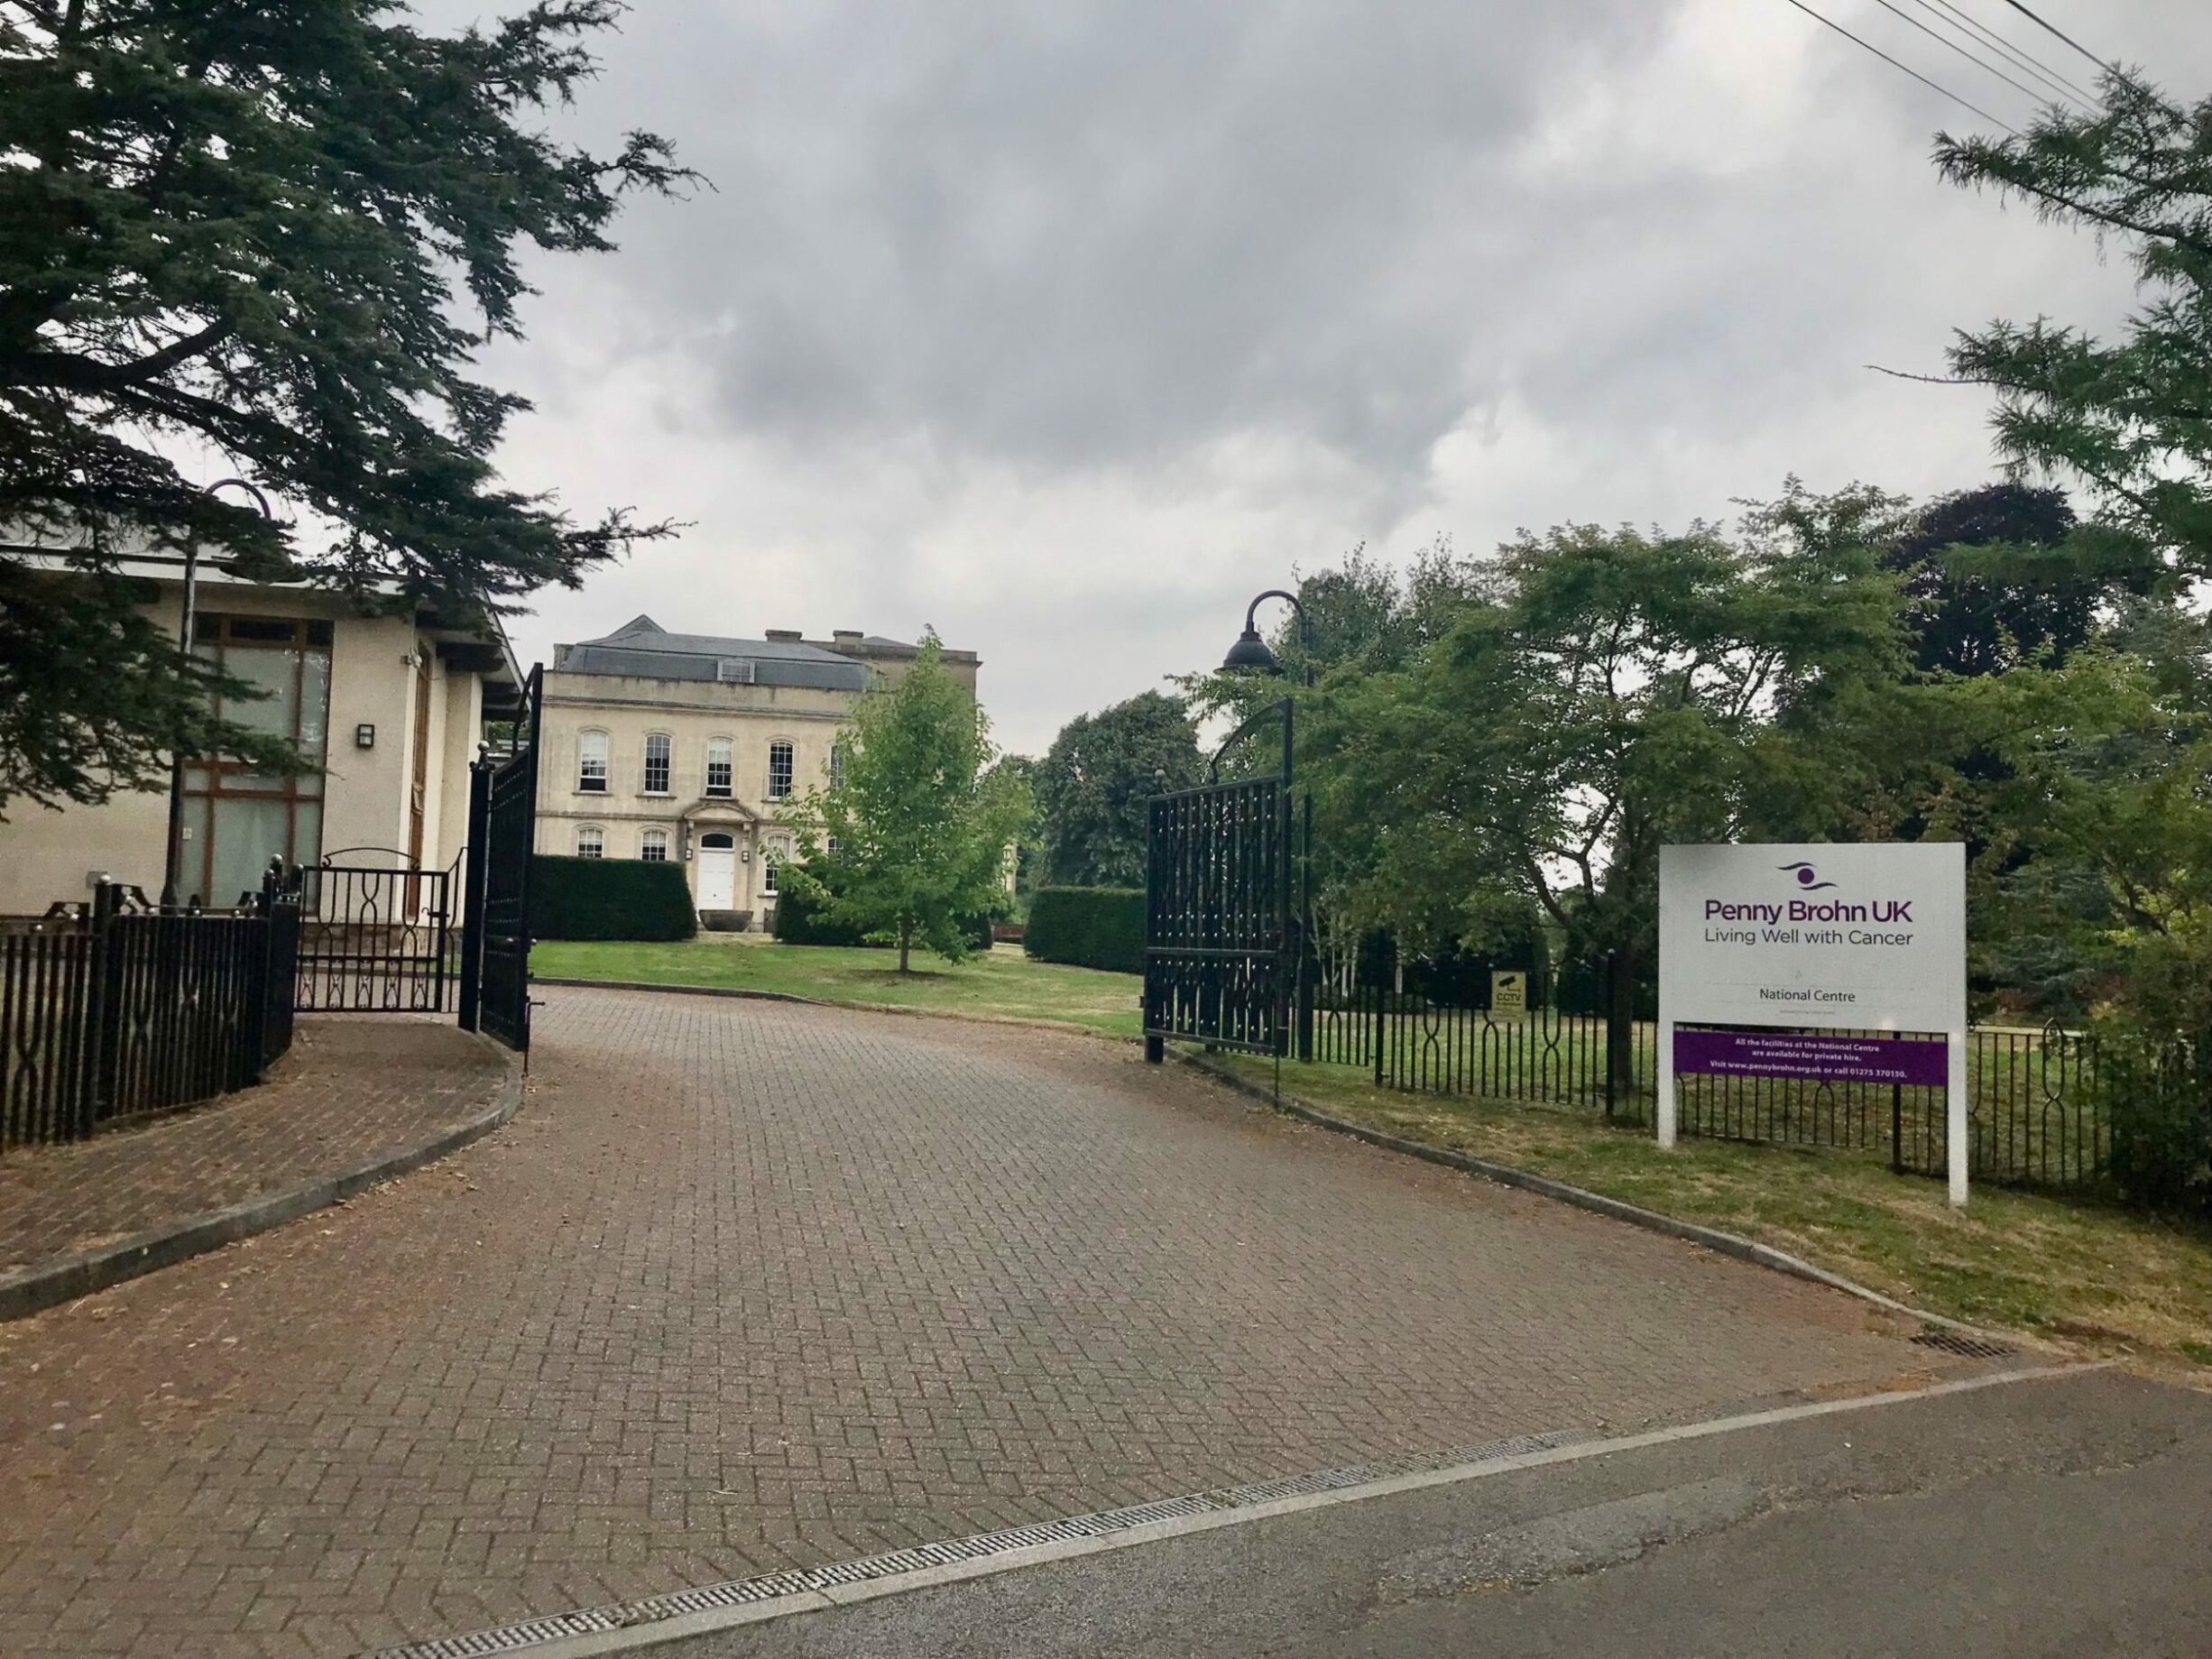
(717, 874)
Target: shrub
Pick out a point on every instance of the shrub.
(2159, 1098)
(802, 913)
(1089, 926)
(803, 917)
(609, 899)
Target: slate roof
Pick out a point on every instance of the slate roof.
(641, 647)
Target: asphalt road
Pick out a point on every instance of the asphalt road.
(2062, 1517)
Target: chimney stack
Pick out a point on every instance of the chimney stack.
(786, 636)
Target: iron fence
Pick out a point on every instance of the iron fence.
(375, 939)
(2041, 1112)
(109, 1012)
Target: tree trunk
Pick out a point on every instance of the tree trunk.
(906, 936)
(1621, 1026)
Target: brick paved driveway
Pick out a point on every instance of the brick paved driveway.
(750, 1286)
(351, 1091)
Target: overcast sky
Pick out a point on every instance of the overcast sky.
(1067, 328)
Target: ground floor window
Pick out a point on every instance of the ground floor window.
(653, 846)
(591, 841)
(235, 820)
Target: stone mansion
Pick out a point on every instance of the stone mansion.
(683, 747)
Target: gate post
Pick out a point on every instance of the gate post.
(471, 890)
(103, 1010)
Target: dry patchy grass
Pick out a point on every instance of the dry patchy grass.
(2104, 1279)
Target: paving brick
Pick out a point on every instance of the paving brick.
(349, 1093)
(749, 1286)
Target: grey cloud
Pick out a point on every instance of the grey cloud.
(1085, 235)
(1056, 324)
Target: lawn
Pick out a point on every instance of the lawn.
(2104, 1280)
(1003, 985)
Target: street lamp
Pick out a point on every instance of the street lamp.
(172, 866)
(1250, 655)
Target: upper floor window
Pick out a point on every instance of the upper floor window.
(591, 762)
(780, 769)
(837, 763)
(719, 771)
(657, 763)
(653, 846)
(591, 841)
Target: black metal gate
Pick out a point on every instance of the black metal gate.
(502, 827)
(374, 938)
(1219, 953)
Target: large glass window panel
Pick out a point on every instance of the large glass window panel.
(276, 674)
(314, 711)
(249, 831)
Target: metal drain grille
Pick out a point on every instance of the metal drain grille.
(744, 1593)
(1959, 1342)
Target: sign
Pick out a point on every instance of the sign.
(1861, 938)
(1508, 991)
(1917, 1063)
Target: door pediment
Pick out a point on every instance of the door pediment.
(719, 814)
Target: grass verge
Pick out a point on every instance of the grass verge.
(2106, 1280)
(1002, 985)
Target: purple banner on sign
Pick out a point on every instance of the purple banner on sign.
(1920, 1062)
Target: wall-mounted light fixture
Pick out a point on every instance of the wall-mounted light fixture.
(364, 736)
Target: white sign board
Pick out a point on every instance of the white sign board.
(1837, 936)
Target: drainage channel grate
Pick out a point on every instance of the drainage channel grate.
(1959, 1342)
(744, 1593)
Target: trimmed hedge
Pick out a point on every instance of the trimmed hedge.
(1088, 927)
(609, 899)
(802, 915)
(802, 918)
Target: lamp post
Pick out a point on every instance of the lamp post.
(172, 863)
(1250, 655)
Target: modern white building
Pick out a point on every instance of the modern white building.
(387, 709)
(684, 747)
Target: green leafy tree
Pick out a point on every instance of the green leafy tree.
(2130, 418)
(273, 234)
(1094, 785)
(1996, 579)
(2104, 902)
(920, 818)
(1610, 692)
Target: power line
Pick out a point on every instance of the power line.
(2026, 61)
(1979, 62)
(1906, 69)
(2062, 35)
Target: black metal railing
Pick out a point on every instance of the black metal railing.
(2040, 1112)
(1408, 1042)
(376, 939)
(110, 1012)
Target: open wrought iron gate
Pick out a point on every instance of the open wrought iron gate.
(373, 938)
(502, 827)
(1219, 951)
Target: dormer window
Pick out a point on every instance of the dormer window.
(734, 671)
